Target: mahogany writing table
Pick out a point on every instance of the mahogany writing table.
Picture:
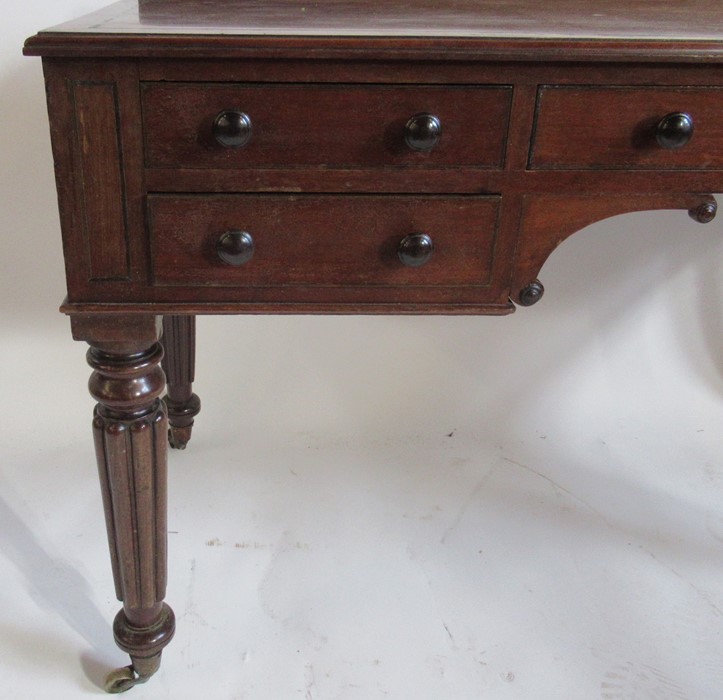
(234, 157)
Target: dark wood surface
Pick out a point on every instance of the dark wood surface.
(179, 364)
(550, 120)
(329, 126)
(615, 127)
(129, 431)
(324, 241)
(600, 145)
(516, 30)
(98, 156)
(638, 19)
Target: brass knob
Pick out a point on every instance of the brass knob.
(232, 128)
(422, 132)
(235, 247)
(674, 130)
(415, 250)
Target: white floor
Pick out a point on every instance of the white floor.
(527, 507)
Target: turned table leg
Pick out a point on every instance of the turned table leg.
(179, 342)
(129, 428)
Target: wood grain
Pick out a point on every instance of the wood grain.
(331, 126)
(129, 426)
(448, 30)
(103, 190)
(597, 127)
(324, 241)
(179, 363)
(639, 19)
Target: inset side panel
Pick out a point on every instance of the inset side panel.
(98, 154)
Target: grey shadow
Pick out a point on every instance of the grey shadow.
(54, 585)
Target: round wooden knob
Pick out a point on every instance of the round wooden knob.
(531, 294)
(422, 132)
(235, 247)
(674, 130)
(232, 128)
(415, 250)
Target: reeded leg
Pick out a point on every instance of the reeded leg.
(129, 427)
(179, 342)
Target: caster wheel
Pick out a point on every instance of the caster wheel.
(121, 679)
(178, 437)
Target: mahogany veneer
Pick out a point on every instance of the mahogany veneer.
(340, 156)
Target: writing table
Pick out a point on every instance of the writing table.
(234, 157)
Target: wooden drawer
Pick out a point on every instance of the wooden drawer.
(322, 240)
(332, 126)
(617, 128)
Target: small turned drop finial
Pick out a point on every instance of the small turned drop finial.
(531, 294)
(705, 212)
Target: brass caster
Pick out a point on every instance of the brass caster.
(144, 645)
(123, 679)
(178, 437)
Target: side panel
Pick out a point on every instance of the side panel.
(97, 151)
(93, 108)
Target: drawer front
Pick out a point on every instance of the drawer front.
(619, 127)
(333, 126)
(322, 240)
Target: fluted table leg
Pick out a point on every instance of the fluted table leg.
(129, 427)
(179, 342)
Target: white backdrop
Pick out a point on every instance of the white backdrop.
(392, 507)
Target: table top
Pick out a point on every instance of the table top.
(607, 19)
(515, 30)
(611, 19)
